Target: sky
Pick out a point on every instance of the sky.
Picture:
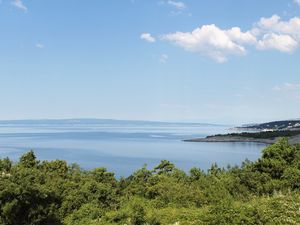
(217, 61)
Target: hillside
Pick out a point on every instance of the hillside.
(267, 133)
(274, 125)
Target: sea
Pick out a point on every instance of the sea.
(122, 146)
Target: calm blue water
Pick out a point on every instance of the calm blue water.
(124, 148)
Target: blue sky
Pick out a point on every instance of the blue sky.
(222, 61)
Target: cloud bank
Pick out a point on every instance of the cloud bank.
(218, 44)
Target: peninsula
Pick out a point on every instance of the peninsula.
(267, 133)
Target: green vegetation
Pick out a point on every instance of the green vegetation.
(262, 134)
(262, 192)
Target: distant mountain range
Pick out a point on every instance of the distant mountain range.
(275, 125)
(79, 122)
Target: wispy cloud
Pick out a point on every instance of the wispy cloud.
(39, 45)
(174, 106)
(163, 58)
(147, 37)
(19, 4)
(177, 4)
(287, 87)
(298, 2)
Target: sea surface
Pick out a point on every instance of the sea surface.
(122, 146)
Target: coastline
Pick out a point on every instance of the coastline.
(292, 140)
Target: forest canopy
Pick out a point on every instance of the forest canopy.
(52, 192)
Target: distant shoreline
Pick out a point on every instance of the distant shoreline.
(227, 138)
(231, 139)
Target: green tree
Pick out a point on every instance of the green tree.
(165, 166)
(28, 160)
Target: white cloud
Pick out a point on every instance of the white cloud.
(276, 34)
(219, 44)
(163, 58)
(19, 4)
(280, 42)
(212, 41)
(287, 87)
(240, 37)
(39, 45)
(297, 1)
(147, 37)
(274, 24)
(177, 4)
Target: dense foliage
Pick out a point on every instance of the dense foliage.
(262, 192)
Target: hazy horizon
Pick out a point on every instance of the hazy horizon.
(112, 120)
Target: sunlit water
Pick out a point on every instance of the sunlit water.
(124, 148)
